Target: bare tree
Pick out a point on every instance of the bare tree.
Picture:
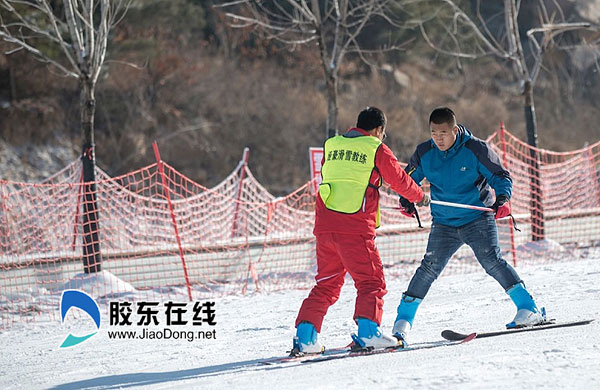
(71, 36)
(334, 25)
(467, 34)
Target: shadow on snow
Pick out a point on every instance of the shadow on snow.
(149, 378)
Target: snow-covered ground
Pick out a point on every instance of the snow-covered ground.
(261, 325)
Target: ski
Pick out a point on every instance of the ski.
(416, 347)
(551, 324)
(291, 359)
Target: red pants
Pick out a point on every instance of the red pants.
(337, 254)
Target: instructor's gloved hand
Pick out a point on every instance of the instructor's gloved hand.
(407, 208)
(501, 207)
(425, 201)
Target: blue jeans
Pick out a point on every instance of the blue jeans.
(481, 235)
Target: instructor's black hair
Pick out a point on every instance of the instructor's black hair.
(370, 118)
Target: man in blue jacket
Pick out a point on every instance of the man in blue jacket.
(461, 169)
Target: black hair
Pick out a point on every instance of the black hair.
(442, 115)
(370, 118)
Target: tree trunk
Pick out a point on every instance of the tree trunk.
(330, 71)
(537, 210)
(332, 107)
(91, 243)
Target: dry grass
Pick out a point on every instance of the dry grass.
(204, 108)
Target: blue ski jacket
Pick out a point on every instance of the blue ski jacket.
(462, 174)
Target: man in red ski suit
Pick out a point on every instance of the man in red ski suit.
(346, 216)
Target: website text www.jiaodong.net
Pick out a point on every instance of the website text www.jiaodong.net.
(162, 334)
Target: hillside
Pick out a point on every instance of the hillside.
(204, 92)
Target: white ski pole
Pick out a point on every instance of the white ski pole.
(461, 206)
(468, 206)
(450, 204)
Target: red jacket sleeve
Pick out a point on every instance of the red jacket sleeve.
(395, 176)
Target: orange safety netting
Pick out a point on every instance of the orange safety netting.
(192, 242)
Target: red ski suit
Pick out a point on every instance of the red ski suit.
(346, 243)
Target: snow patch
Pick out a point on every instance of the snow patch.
(543, 249)
(99, 284)
(34, 163)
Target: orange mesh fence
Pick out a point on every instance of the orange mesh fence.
(556, 199)
(163, 236)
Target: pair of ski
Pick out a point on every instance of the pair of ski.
(451, 338)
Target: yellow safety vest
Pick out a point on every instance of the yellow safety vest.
(346, 171)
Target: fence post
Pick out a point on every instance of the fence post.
(166, 190)
(238, 196)
(251, 270)
(505, 163)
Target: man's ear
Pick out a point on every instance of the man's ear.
(455, 129)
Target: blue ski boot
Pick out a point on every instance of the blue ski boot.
(528, 313)
(406, 314)
(306, 340)
(370, 336)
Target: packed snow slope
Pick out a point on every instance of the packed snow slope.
(261, 325)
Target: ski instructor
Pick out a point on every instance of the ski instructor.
(346, 216)
(461, 169)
